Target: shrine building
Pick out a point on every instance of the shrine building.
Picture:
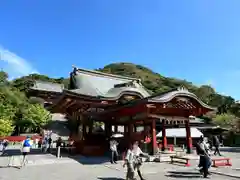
(118, 101)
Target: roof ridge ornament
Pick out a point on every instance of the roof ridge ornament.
(182, 88)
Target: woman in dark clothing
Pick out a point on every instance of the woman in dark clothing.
(216, 144)
(204, 161)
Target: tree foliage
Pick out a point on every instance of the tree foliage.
(36, 116)
(22, 113)
(16, 111)
(6, 127)
(229, 121)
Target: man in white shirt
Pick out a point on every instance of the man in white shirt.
(114, 152)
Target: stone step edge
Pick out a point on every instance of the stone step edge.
(225, 174)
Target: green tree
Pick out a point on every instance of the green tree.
(3, 77)
(36, 117)
(6, 127)
(205, 92)
(227, 121)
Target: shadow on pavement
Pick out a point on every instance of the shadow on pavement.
(53, 154)
(91, 160)
(109, 178)
(17, 152)
(15, 167)
(183, 174)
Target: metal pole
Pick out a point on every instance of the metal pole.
(58, 151)
(175, 140)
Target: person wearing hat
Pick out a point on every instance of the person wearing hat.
(26, 147)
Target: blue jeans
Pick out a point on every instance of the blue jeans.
(204, 162)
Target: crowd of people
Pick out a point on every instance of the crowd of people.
(133, 158)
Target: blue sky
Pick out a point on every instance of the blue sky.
(194, 40)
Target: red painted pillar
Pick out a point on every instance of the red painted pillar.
(164, 138)
(189, 138)
(154, 137)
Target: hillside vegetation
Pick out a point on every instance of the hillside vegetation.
(157, 83)
(228, 111)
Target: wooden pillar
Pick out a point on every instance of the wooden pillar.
(189, 138)
(130, 133)
(115, 128)
(84, 132)
(146, 130)
(108, 130)
(90, 126)
(145, 133)
(154, 137)
(164, 138)
(125, 131)
(135, 128)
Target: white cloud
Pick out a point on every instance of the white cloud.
(16, 66)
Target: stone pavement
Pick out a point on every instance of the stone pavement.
(42, 166)
(76, 171)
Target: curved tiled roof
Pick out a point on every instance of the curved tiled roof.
(176, 93)
(94, 83)
(48, 86)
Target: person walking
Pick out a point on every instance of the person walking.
(4, 145)
(204, 160)
(49, 144)
(114, 152)
(26, 150)
(216, 144)
(138, 154)
(130, 162)
(59, 143)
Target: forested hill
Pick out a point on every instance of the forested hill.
(152, 81)
(158, 83)
(20, 114)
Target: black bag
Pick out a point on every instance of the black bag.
(139, 161)
(199, 150)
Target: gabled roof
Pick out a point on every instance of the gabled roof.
(48, 86)
(98, 84)
(180, 92)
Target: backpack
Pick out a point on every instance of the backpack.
(199, 149)
(26, 143)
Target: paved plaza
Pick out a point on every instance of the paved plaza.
(77, 171)
(46, 166)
